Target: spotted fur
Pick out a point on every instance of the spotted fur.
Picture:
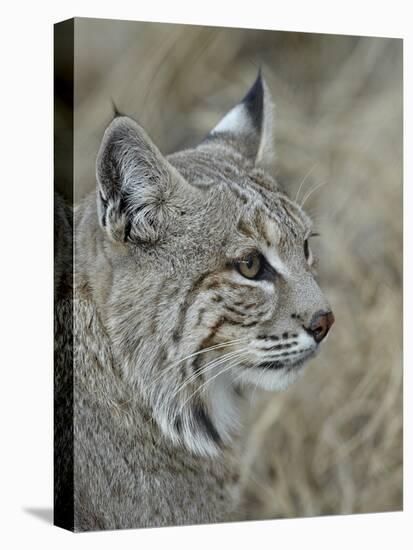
(168, 333)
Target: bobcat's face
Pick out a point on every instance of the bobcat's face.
(211, 285)
(255, 296)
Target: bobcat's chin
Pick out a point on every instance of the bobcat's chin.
(278, 375)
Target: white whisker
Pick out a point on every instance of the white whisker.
(209, 366)
(311, 192)
(304, 180)
(228, 367)
(190, 356)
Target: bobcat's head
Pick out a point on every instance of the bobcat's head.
(205, 280)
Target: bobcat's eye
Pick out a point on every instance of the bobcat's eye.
(251, 265)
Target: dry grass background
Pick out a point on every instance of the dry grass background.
(332, 444)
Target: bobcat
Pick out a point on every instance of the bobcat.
(193, 283)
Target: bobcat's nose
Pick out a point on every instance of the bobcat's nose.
(320, 325)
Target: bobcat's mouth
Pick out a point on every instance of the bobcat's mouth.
(289, 363)
(277, 365)
(275, 372)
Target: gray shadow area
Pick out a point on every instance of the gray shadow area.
(45, 514)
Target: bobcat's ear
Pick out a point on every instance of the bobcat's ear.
(136, 184)
(249, 125)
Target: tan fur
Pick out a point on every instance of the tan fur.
(169, 336)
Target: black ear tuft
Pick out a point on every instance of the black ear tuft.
(254, 102)
(248, 127)
(115, 110)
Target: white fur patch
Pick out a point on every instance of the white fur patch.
(236, 121)
(272, 380)
(275, 261)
